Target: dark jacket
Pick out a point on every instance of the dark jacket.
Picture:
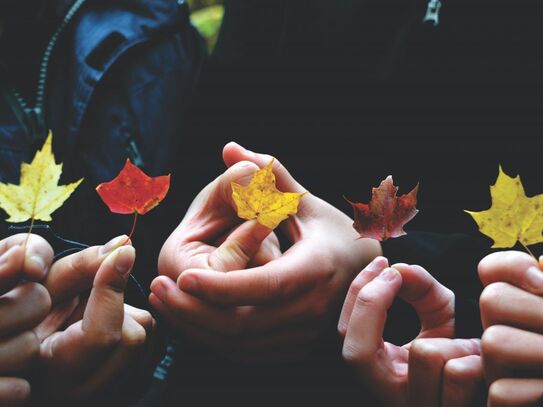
(344, 93)
(120, 77)
(347, 92)
(117, 84)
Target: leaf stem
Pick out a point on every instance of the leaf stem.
(528, 250)
(133, 228)
(28, 234)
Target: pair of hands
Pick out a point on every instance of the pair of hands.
(432, 370)
(65, 324)
(512, 315)
(231, 286)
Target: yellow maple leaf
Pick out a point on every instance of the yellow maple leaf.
(261, 200)
(513, 216)
(38, 194)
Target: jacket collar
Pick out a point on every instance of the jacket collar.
(102, 32)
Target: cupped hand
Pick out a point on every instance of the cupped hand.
(431, 371)
(243, 297)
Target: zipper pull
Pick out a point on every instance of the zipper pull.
(432, 12)
(38, 129)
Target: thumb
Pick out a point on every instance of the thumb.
(240, 247)
(234, 153)
(215, 200)
(433, 302)
(105, 309)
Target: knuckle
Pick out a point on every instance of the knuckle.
(108, 340)
(146, 319)
(17, 390)
(456, 376)
(491, 296)
(277, 286)
(424, 352)
(498, 394)
(366, 298)
(40, 298)
(493, 339)
(353, 354)
(134, 337)
(31, 344)
(354, 289)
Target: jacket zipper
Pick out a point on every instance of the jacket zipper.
(35, 116)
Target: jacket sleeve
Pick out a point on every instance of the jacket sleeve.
(452, 260)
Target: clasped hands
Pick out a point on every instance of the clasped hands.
(66, 332)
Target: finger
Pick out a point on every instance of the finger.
(371, 271)
(510, 351)
(433, 302)
(269, 250)
(13, 391)
(11, 268)
(365, 331)
(236, 322)
(210, 216)
(125, 358)
(505, 304)
(23, 308)
(463, 378)
(278, 280)
(38, 254)
(104, 314)
(166, 298)
(17, 353)
(74, 274)
(516, 268)
(142, 317)
(56, 318)
(427, 358)
(215, 200)
(234, 153)
(30, 262)
(239, 248)
(515, 393)
(288, 344)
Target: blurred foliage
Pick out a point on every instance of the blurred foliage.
(206, 16)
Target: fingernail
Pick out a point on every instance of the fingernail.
(189, 284)
(113, 244)
(535, 278)
(36, 262)
(377, 264)
(389, 274)
(124, 259)
(159, 290)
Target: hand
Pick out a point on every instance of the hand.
(512, 316)
(87, 343)
(432, 370)
(277, 309)
(23, 305)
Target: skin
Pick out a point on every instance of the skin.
(512, 315)
(227, 284)
(432, 370)
(91, 338)
(23, 305)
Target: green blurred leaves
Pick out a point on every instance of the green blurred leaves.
(206, 16)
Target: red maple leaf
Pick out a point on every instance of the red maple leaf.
(386, 214)
(133, 191)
